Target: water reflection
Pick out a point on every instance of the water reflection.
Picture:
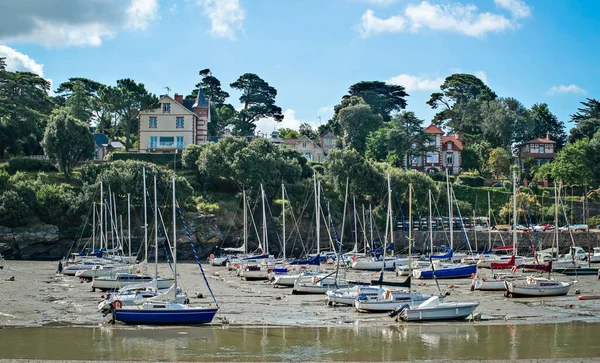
(394, 342)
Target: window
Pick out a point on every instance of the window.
(96, 154)
(179, 123)
(167, 141)
(304, 145)
(449, 146)
(180, 142)
(449, 159)
(308, 156)
(153, 142)
(152, 122)
(542, 149)
(433, 158)
(166, 108)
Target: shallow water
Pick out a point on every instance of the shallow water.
(393, 342)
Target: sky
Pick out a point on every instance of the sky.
(311, 51)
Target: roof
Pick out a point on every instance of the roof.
(117, 145)
(328, 134)
(453, 139)
(290, 141)
(101, 140)
(540, 140)
(201, 100)
(188, 103)
(432, 129)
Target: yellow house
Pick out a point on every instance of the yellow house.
(176, 124)
(308, 148)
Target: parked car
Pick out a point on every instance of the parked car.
(498, 185)
(573, 227)
(543, 227)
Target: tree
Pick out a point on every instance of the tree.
(499, 162)
(591, 109)
(212, 89)
(24, 108)
(584, 129)
(287, 133)
(220, 118)
(307, 130)
(460, 101)
(130, 98)
(544, 122)
(503, 120)
(2, 63)
(80, 103)
(357, 122)
(258, 100)
(103, 110)
(573, 164)
(90, 87)
(67, 140)
(384, 99)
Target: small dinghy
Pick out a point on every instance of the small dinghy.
(537, 287)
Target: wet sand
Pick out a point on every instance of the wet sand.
(40, 297)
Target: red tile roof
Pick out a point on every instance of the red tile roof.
(432, 129)
(453, 139)
(540, 140)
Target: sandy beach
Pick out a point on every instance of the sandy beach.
(40, 297)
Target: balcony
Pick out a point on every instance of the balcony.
(166, 145)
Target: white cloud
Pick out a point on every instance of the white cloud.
(226, 17)
(481, 75)
(325, 109)
(517, 8)
(381, 2)
(371, 24)
(267, 126)
(173, 9)
(62, 23)
(16, 61)
(415, 83)
(566, 89)
(460, 18)
(141, 13)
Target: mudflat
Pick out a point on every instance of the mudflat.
(40, 297)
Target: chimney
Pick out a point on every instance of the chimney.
(179, 98)
(548, 135)
(457, 136)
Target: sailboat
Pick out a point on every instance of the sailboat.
(444, 270)
(434, 308)
(257, 267)
(387, 298)
(539, 286)
(164, 309)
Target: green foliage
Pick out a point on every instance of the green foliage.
(573, 164)
(470, 160)
(542, 173)
(470, 180)
(211, 86)
(384, 98)
(593, 221)
(590, 110)
(67, 140)
(584, 129)
(29, 165)
(155, 158)
(357, 122)
(544, 122)
(258, 100)
(308, 131)
(80, 103)
(13, 210)
(4, 178)
(189, 156)
(499, 162)
(287, 133)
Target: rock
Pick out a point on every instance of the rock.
(199, 295)
(12, 278)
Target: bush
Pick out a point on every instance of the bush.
(190, 155)
(29, 164)
(13, 210)
(4, 178)
(593, 221)
(471, 181)
(156, 158)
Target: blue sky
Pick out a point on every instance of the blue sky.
(311, 51)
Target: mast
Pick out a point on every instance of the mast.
(110, 208)
(245, 223)
(409, 228)
(129, 222)
(115, 223)
(514, 213)
(121, 223)
(145, 223)
(387, 226)
(155, 231)
(318, 217)
(264, 215)
(174, 238)
(94, 227)
(364, 230)
(283, 213)
(371, 224)
(344, 216)
(555, 239)
(489, 222)
(430, 227)
(450, 215)
(101, 214)
(355, 225)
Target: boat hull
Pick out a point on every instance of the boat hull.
(577, 271)
(385, 306)
(166, 316)
(447, 273)
(107, 284)
(456, 311)
(535, 290)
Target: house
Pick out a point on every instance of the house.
(446, 153)
(307, 147)
(327, 141)
(100, 146)
(177, 123)
(542, 150)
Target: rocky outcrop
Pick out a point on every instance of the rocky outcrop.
(40, 242)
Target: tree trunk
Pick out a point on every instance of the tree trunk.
(127, 135)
